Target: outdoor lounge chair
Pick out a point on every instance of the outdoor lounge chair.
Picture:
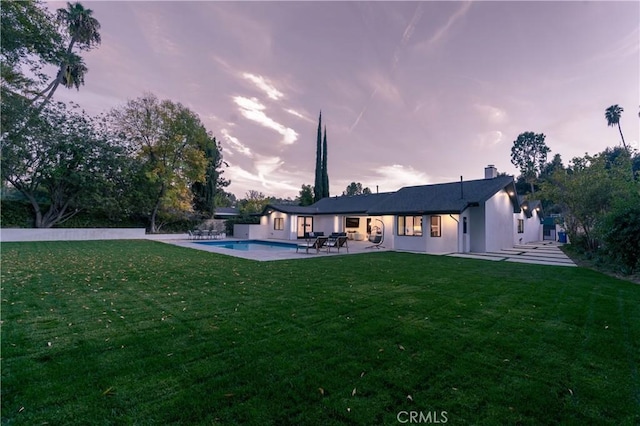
(376, 238)
(316, 244)
(337, 242)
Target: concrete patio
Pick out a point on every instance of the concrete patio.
(539, 253)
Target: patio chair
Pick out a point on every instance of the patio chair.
(316, 244)
(337, 242)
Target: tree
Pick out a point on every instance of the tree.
(169, 141)
(620, 231)
(529, 154)
(356, 189)
(30, 42)
(325, 175)
(253, 203)
(585, 192)
(209, 194)
(62, 163)
(613, 114)
(82, 29)
(306, 195)
(318, 190)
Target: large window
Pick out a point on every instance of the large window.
(436, 226)
(278, 223)
(410, 226)
(520, 226)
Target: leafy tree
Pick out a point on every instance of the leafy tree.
(325, 175)
(620, 231)
(613, 114)
(529, 154)
(356, 189)
(209, 194)
(83, 30)
(169, 141)
(30, 42)
(253, 203)
(62, 163)
(306, 195)
(585, 192)
(318, 190)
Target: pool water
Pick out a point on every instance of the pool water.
(251, 245)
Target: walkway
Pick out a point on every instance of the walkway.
(540, 253)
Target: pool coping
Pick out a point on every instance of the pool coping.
(265, 256)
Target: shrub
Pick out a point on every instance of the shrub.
(620, 232)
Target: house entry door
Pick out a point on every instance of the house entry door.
(305, 224)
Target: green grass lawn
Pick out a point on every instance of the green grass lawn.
(146, 333)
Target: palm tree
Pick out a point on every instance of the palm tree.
(83, 30)
(612, 114)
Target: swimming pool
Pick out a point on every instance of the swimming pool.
(251, 245)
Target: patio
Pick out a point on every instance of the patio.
(540, 253)
(355, 247)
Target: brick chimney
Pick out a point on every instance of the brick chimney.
(490, 172)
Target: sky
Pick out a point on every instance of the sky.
(411, 93)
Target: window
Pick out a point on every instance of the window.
(278, 223)
(352, 222)
(464, 225)
(520, 226)
(436, 229)
(410, 226)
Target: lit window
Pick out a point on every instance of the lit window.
(410, 226)
(436, 229)
(278, 223)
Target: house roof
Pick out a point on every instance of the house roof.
(350, 204)
(425, 199)
(289, 208)
(452, 197)
(528, 206)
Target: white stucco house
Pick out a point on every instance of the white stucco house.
(482, 215)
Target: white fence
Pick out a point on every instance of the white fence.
(74, 234)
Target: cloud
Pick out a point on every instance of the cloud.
(235, 144)
(493, 115)
(264, 85)
(442, 31)
(489, 139)
(267, 173)
(396, 176)
(299, 115)
(253, 110)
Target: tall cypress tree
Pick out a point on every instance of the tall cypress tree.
(325, 175)
(318, 190)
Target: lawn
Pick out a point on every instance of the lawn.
(141, 332)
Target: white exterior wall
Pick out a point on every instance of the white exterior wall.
(477, 232)
(283, 234)
(532, 228)
(499, 222)
(448, 241)
(325, 223)
(252, 232)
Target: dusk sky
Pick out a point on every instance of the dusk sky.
(411, 92)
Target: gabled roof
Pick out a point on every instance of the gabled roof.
(528, 206)
(289, 208)
(453, 197)
(425, 199)
(350, 204)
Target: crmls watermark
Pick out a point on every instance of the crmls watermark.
(415, 417)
